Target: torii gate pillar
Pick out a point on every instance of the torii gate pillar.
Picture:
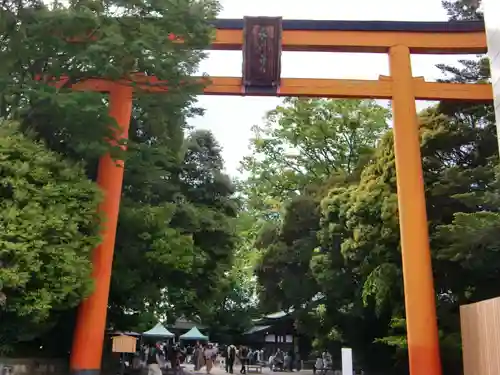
(88, 337)
(421, 320)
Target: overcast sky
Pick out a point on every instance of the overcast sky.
(231, 118)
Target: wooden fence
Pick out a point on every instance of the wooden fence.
(480, 324)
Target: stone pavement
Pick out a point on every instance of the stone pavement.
(218, 370)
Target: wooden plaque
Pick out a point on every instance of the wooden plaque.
(262, 52)
(124, 344)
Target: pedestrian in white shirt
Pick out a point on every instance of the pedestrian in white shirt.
(318, 365)
(210, 354)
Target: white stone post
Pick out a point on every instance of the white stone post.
(347, 367)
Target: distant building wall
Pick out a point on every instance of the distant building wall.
(492, 22)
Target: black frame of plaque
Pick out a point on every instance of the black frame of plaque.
(262, 54)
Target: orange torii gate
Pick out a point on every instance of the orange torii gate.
(267, 37)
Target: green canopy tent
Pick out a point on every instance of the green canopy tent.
(159, 331)
(194, 334)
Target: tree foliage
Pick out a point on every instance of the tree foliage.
(356, 261)
(283, 269)
(111, 40)
(238, 296)
(459, 10)
(187, 237)
(48, 227)
(342, 236)
(306, 146)
(360, 228)
(305, 141)
(176, 230)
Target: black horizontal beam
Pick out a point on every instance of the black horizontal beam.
(327, 25)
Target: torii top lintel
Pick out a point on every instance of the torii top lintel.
(456, 37)
(261, 71)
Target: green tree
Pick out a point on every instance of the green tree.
(48, 227)
(175, 239)
(176, 232)
(463, 9)
(305, 146)
(111, 40)
(305, 141)
(360, 235)
(236, 301)
(283, 269)
(183, 238)
(358, 267)
(234, 307)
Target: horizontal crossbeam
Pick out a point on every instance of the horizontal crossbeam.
(307, 87)
(364, 41)
(457, 37)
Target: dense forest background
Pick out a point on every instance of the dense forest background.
(312, 227)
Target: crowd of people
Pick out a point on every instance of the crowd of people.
(170, 356)
(245, 355)
(284, 361)
(322, 364)
(162, 356)
(203, 356)
(278, 361)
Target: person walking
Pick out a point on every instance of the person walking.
(198, 357)
(318, 365)
(243, 358)
(209, 354)
(230, 358)
(327, 362)
(154, 360)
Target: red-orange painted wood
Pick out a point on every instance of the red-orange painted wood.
(421, 320)
(309, 87)
(89, 332)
